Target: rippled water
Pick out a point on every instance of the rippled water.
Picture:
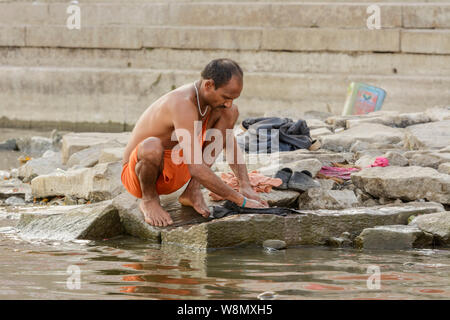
(127, 268)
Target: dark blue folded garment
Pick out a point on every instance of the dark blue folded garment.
(272, 134)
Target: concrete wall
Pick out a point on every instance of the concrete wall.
(296, 55)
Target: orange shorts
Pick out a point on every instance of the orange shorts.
(172, 178)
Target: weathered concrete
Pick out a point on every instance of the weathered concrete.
(41, 166)
(269, 91)
(438, 114)
(434, 135)
(35, 146)
(444, 168)
(391, 182)
(396, 159)
(394, 237)
(417, 16)
(111, 155)
(133, 220)
(75, 142)
(429, 159)
(99, 183)
(251, 61)
(134, 223)
(328, 39)
(14, 187)
(94, 221)
(318, 198)
(392, 119)
(89, 157)
(316, 133)
(438, 224)
(425, 41)
(316, 227)
(311, 227)
(370, 132)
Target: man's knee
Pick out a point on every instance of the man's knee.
(151, 149)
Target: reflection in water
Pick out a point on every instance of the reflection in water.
(129, 268)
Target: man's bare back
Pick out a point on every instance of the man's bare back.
(157, 119)
(179, 110)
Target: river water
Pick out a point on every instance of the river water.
(129, 268)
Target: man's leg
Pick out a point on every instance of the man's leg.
(192, 195)
(150, 155)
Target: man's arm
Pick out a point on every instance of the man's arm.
(184, 119)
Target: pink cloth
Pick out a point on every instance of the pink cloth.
(344, 173)
(380, 162)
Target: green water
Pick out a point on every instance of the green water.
(127, 268)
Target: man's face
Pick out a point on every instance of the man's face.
(223, 97)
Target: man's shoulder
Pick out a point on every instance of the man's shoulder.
(179, 104)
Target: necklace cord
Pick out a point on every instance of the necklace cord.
(198, 102)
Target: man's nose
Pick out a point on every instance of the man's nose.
(228, 103)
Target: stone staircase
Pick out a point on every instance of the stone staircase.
(296, 55)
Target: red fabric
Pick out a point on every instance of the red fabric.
(259, 183)
(380, 162)
(344, 173)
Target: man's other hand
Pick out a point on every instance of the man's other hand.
(254, 204)
(251, 194)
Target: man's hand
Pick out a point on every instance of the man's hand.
(254, 204)
(251, 194)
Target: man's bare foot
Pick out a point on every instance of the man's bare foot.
(193, 197)
(154, 214)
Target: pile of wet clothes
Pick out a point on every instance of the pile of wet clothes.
(273, 134)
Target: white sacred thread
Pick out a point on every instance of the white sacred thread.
(198, 103)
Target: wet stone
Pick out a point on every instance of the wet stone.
(91, 222)
(274, 244)
(393, 237)
(14, 201)
(437, 224)
(390, 182)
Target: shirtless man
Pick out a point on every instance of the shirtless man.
(148, 168)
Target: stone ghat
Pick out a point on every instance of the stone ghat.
(71, 189)
(309, 227)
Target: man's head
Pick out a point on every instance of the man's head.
(222, 82)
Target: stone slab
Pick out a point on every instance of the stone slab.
(94, 222)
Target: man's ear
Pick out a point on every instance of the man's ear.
(209, 85)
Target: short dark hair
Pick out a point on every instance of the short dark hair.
(221, 71)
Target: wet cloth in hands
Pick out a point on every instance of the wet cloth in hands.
(230, 208)
(259, 136)
(259, 183)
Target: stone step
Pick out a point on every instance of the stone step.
(239, 14)
(121, 95)
(309, 227)
(229, 38)
(235, 1)
(250, 61)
